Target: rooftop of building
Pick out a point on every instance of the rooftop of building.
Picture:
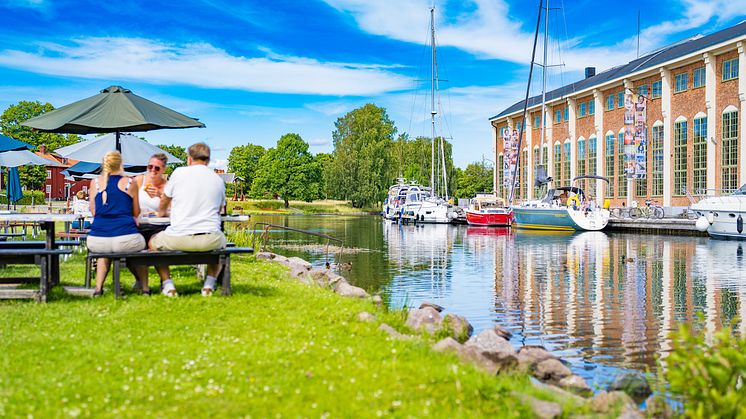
(651, 60)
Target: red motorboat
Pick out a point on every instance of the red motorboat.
(488, 210)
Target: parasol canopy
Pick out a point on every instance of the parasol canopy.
(115, 109)
(135, 151)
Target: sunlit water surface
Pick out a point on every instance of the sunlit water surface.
(605, 302)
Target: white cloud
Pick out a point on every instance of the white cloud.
(489, 32)
(201, 65)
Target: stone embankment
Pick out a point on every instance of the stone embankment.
(491, 351)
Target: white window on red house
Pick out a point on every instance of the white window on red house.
(49, 174)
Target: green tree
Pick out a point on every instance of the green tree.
(361, 170)
(477, 177)
(412, 160)
(288, 170)
(244, 160)
(325, 160)
(177, 151)
(10, 124)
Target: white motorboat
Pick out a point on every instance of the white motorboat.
(397, 196)
(421, 207)
(723, 216)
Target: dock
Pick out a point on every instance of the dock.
(679, 226)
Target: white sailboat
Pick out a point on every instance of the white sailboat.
(428, 206)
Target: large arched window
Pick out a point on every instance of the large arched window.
(592, 152)
(566, 163)
(679, 156)
(656, 149)
(621, 179)
(523, 179)
(500, 187)
(557, 174)
(536, 164)
(581, 155)
(729, 156)
(699, 153)
(609, 162)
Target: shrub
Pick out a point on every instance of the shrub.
(39, 198)
(708, 379)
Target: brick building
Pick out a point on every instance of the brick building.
(696, 139)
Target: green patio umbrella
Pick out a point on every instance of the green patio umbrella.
(115, 109)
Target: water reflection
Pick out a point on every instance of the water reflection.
(603, 301)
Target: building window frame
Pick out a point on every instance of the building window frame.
(657, 89)
(621, 179)
(620, 99)
(500, 174)
(537, 121)
(557, 172)
(610, 102)
(699, 77)
(729, 154)
(642, 90)
(557, 116)
(681, 82)
(680, 150)
(730, 69)
(609, 163)
(566, 115)
(641, 184)
(591, 107)
(581, 109)
(699, 154)
(656, 148)
(566, 163)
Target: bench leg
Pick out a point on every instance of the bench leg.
(88, 264)
(44, 279)
(226, 274)
(115, 276)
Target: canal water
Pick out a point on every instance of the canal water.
(605, 302)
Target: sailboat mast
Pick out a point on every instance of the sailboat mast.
(525, 107)
(544, 85)
(432, 101)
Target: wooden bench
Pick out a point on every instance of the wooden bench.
(36, 244)
(220, 257)
(38, 257)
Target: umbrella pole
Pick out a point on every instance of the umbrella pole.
(118, 144)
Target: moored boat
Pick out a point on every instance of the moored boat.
(563, 208)
(723, 216)
(488, 210)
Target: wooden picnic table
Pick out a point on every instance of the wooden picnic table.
(47, 222)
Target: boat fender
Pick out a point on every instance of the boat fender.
(739, 224)
(702, 224)
(573, 201)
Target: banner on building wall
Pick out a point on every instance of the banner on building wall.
(635, 136)
(510, 156)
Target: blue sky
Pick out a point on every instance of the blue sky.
(254, 70)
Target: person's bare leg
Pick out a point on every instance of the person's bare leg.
(102, 269)
(141, 276)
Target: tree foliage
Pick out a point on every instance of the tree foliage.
(477, 177)
(289, 171)
(325, 160)
(244, 161)
(361, 170)
(177, 151)
(412, 160)
(10, 124)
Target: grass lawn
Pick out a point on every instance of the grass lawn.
(274, 348)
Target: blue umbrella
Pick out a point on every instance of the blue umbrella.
(9, 144)
(14, 186)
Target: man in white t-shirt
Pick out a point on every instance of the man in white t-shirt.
(196, 195)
